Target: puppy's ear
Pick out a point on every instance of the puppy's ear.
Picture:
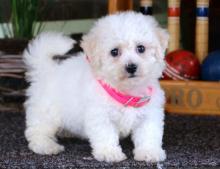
(163, 38)
(88, 45)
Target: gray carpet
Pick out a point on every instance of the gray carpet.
(190, 141)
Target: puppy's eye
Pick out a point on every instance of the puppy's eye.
(115, 52)
(140, 49)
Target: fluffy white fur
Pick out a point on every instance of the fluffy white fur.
(67, 96)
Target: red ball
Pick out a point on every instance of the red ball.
(181, 65)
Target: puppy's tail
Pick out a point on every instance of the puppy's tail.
(38, 56)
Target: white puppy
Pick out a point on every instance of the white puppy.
(106, 93)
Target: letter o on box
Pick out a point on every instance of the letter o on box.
(198, 101)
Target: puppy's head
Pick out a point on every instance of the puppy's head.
(126, 49)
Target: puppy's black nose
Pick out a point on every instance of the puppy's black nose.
(131, 68)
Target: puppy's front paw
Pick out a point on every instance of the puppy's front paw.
(109, 154)
(151, 155)
(45, 147)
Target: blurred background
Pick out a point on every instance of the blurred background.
(73, 17)
(77, 16)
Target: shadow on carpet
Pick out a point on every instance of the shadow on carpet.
(190, 142)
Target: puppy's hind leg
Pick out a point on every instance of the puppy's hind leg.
(41, 130)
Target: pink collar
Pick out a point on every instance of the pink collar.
(127, 100)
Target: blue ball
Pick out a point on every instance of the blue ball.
(211, 67)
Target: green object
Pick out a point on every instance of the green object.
(24, 14)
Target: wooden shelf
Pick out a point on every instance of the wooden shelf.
(192, 97)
